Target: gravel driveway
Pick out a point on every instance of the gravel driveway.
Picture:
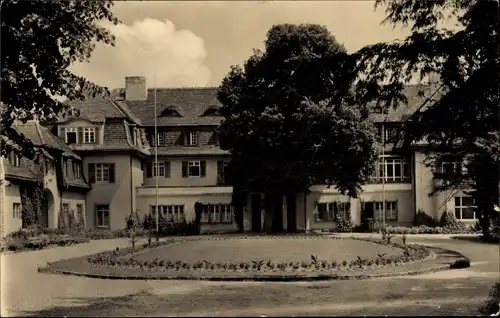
(27, 292)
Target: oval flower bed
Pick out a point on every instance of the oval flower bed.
(126, 258)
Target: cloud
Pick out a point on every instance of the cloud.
(146, 46)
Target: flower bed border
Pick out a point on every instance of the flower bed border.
(411, 252)
(150, 273)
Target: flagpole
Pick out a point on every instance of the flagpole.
(383, 175)
(156, 163)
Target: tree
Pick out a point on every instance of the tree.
(290, 120)
(32, 197)
(460, 121)
(40, 40)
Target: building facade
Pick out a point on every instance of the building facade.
(58, 175)
(115, 140)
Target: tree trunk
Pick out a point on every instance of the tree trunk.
(269, 211)
(239, 202)
(486, 191)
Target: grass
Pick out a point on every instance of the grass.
(276, 250)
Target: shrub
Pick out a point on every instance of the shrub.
(492, 304)
(343, 225)
(460, 263)
(180, 228)
(404, 237)
(32, 243)
(423, 229)
(149, 222)
(133, 220)
(422, 218)
(15, 244)
(448, 220)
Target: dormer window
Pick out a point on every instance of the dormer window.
(88, 135)
(80, 135)
(212, 111)
(14, 159)
(71, 136)
(77, 170)
(193, 138)
(170, 111)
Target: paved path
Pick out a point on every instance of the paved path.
(27, 292)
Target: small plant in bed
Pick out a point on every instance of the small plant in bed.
(118, 258)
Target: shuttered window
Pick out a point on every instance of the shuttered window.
(101, 172)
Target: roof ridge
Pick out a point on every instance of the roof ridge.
(119, 109)
(39, 132)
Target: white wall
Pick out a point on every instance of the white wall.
(12, 196)
(117, 195)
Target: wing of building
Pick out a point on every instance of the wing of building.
(112, 142)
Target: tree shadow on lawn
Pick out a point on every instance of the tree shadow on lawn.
(367, 296)
(475, 239)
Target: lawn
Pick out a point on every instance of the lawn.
(268, 249)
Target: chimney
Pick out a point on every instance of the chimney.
(135, 88)
(434, 80)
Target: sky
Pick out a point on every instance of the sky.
(194, 43)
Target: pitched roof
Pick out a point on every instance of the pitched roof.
(117, 137)
(94, 109)
(402, 112)
(192, 103)
(22, 173)
(41, 136)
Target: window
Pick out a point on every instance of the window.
(78, 135)
(222, 178)
(212, 111)
(193, 138)
(161, 139)
(171, 213)
(392, 170)
(193, 169)
(327, 211)
(158, 169)
(14, 159)
(89, 135)
(102, 172)
(450, 168)
(48, 166)
(216, 214)
(65, 209)
(390, 133)
(391, 210)
(170, 111)
(79, 212)
(102, 216)
(77, 170)
(163, 169)
(464, 208)
(65, 163)
(16, 210)
(71, 136)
